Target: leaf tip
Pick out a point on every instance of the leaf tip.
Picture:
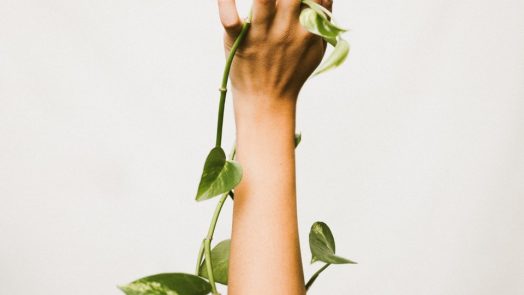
(123, 288)
(298, 139)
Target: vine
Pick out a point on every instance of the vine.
(221, 175)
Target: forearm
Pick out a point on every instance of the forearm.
(270, 67)
(265, 252)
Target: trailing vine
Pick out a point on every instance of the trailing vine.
(221, 175)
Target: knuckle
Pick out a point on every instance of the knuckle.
(231, 24)
(284, 36)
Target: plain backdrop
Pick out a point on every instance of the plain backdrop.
(413, 151)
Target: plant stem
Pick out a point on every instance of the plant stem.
(210, 275)
(315, 276)
(205, 246)
(212, 227)
(214, 220)
(225, 77)
(211, 230)
(199, 259)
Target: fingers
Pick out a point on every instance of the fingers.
(229, 17)
(328, 4)
(263, 10)
(291, 8)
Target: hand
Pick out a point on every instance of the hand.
(278, 54)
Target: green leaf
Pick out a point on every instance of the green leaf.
(314, 23)
(168, 284)
(317, 8)
(324, 13)
(337, 57)
(298, 139)
(219, 176)
(220, 262)
(322, 245)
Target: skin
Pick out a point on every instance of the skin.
(268, 72)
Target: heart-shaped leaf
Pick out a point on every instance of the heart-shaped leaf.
(314, 23)
(220, 262)
(219, 176)
(322, 245)
(168, 284)
(337, 57)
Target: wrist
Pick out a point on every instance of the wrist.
(263, 105)
(262, 114)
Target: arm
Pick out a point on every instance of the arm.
(265, 254)
(268, 72)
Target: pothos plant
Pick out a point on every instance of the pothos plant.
(221, 175)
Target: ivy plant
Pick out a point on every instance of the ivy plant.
(221, 175)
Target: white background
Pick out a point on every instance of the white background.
(413, 151)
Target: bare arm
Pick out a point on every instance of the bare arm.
(268, 72)
(265, 255)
